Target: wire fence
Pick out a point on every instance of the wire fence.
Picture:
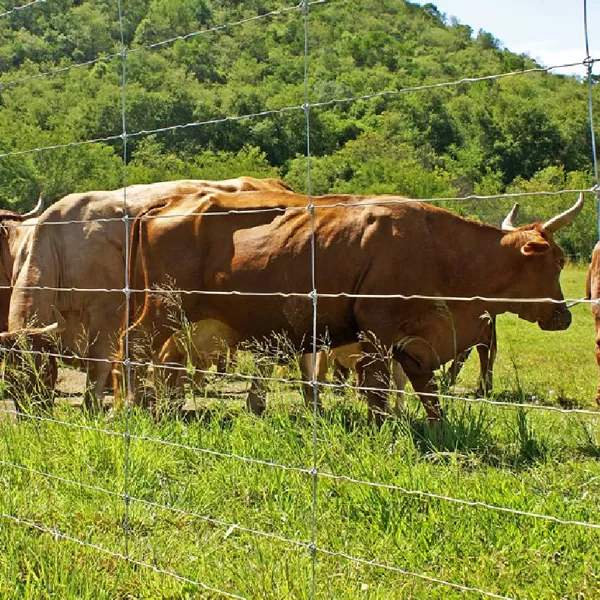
(18, 8)
(317, 475)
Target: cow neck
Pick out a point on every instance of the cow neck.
(478, 264)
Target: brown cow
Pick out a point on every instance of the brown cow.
(77, 251)
(364, 250)
(592, 292)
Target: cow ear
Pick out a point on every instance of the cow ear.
(535, 247)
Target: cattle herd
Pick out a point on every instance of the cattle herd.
(242, 258)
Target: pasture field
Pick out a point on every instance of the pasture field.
(530, 460)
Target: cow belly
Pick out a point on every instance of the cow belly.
(256, 318)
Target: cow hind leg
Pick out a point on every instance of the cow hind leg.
(321, 363)
(457, 364)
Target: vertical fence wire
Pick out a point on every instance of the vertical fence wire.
(313, 295)
(589, 64)
(126, 290)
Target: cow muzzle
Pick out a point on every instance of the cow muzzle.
(560, 320)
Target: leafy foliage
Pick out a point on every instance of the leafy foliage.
(522, 133)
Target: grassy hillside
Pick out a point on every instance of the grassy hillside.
(522, 133)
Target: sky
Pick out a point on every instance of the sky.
(550, 31)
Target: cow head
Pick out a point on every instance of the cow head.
(11, 234)
(11, 231)
(540, 261)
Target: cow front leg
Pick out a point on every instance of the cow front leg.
(400, 380)
(425, 387)
(100, 367)
(30, 381)
(92, 397)
(374, 374)
(487, 356)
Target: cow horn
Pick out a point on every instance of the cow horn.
(13, 336)
(6, 335)
(558, 222)
(61, 323)
(37, 209)
(507, 224)
(52, 328)
(57, 327)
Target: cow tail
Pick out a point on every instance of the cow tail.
(137, 261)
(134, 238)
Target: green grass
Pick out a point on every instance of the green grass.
(529, 460)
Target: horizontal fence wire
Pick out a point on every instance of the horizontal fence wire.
(422, 576)
(306, 471)
(206, 518)
(159, 441)
(186, 292)
(57, 534)
(295, 381)
(284, 110)
(309, 472)
(16, 9)
(361, 202)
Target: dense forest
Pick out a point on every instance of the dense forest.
(528, 132)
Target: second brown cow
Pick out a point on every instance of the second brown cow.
(390, 272)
